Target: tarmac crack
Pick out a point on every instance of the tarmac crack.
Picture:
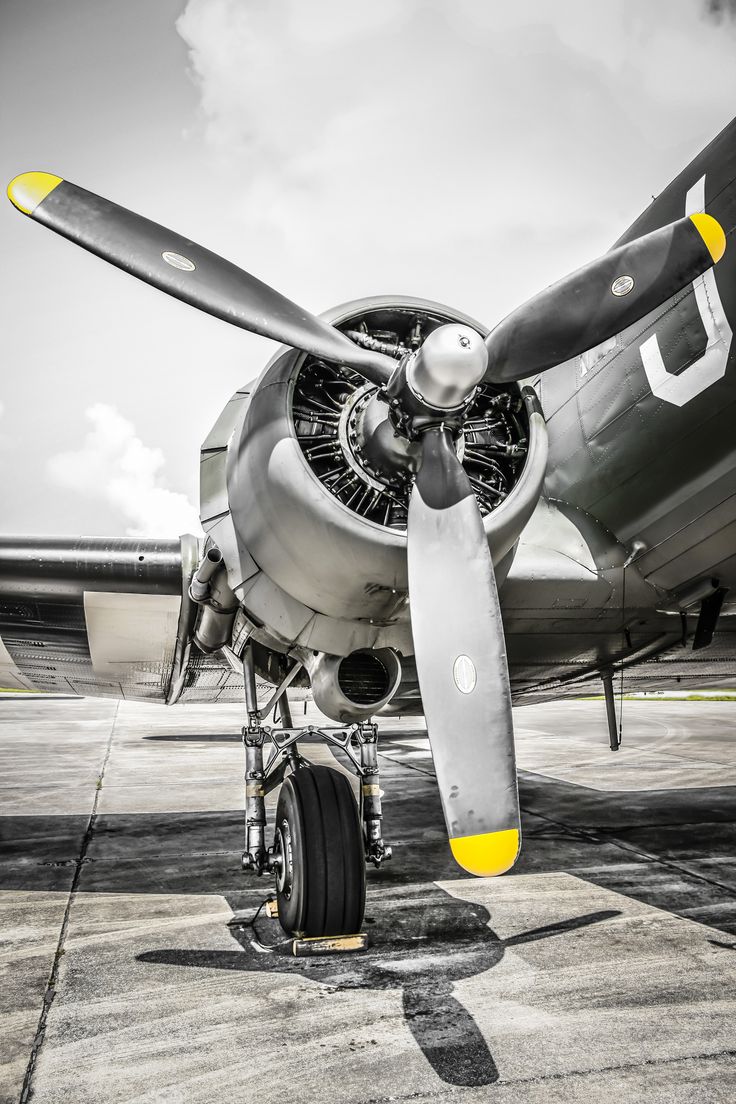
(26, 1092)
(670, 864)
(646, 1063)
(407, 766)
(596, 835)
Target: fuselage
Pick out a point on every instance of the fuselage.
(642, 429)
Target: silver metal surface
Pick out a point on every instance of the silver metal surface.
(199, 587)
(456, 616)
(131, 636)
(332, 700)
(450, 364)
(328, 580)
(91, 615)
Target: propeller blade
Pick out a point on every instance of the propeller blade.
(461, 662)
(602, 298)
(185, 270)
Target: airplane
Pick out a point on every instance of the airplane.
(410, 513)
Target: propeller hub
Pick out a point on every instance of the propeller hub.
(448, 367)
(384, 449)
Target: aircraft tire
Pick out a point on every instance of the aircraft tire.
(320, 887)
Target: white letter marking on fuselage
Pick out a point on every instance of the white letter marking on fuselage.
(711, 366)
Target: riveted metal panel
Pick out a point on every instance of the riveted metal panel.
(44, 584)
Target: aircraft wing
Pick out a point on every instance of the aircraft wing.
(105, 617)
(112, 618)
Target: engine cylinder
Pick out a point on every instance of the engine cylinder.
(308, 500)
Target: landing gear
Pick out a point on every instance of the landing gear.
(318, 854)
(322, 841)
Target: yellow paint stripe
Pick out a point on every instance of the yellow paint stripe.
(488, 854)
(29, 189)
(712, 234)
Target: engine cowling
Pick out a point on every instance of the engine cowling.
(305, 485)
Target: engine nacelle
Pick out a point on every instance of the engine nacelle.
(310, 514)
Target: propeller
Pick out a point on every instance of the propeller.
(575, 314)
(181, 268)
(455, 613)
(602, 298)
(461, 661)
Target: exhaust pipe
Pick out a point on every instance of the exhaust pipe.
(199, 588)
(217, 603)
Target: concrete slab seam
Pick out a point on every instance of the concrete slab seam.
(563, 1075)
(595, 835)
(50, 993)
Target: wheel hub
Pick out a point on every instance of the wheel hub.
(283, 860)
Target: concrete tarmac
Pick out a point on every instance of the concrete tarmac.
(602, 968)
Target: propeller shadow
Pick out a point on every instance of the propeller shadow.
(424, 941)
(422, 950)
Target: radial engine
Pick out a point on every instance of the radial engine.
(305, 482)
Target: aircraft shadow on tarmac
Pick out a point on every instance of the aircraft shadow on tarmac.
(645, 845)
(421, 947)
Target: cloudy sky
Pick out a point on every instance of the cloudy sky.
(464, 150)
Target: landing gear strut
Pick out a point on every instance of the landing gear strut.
(322, 841)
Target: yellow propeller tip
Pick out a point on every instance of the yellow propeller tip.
(712, 234)
(489, 854)
(29, 189)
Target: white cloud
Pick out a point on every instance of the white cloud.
(466, 150)
(115, 466)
